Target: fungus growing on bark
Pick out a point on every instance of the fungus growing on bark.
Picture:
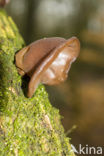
(47, 61)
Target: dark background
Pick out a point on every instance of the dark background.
(81, 98)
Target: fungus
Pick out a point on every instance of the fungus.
(47, 61)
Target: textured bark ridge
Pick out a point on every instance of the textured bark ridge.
(28, 126)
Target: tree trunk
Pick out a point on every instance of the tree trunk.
(28, 126)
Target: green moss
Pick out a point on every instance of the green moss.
(28, 126)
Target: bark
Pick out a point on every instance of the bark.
(28, 126)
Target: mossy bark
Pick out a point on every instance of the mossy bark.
(28, 126)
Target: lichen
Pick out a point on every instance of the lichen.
(28, 126)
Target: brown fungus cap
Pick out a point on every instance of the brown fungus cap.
(47, 61)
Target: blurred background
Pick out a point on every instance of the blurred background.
(81, 98)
